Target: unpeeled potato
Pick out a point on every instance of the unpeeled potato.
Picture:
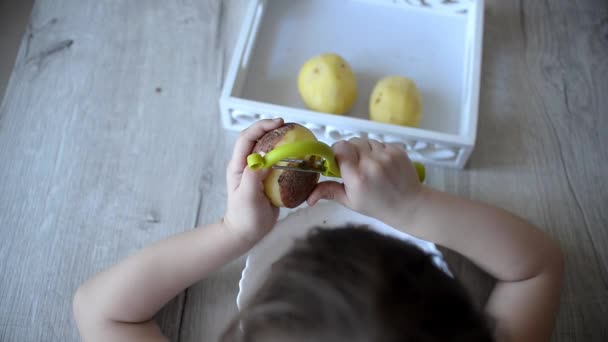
(327, 84)
(396, 100)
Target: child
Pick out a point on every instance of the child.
(344, 284)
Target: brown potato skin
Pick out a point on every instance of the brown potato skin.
(293, 187)
(267, 142)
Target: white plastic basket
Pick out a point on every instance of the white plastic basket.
(437, 43)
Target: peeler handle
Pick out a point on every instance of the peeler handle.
(297, 149)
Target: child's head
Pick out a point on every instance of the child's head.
(357, 285)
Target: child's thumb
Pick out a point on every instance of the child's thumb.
(328, 190)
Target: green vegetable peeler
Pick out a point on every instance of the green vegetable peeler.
(292, 155)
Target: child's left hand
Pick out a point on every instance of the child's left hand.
(249, 213)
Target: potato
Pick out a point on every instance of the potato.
(287, 188)
(395, 100)
(327, 84)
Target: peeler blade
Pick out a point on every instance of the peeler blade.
(301, 165)
(297, 169)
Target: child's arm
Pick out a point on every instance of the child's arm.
(379, 181)
(526, 262)
(119, 304)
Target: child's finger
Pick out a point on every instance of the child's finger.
(248, 138)
(377, 146)
(347, 157)
(398, 151)
(328, 190)
(252, 181)
(245, 143)
(363, 145)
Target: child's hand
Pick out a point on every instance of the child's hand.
(249, 213)
(379, 180)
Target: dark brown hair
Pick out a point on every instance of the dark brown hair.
(353, 284)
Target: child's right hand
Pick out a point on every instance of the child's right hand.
(379, 181)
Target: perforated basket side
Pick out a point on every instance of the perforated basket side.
(425, 150)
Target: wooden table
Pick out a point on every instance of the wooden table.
(110, 139)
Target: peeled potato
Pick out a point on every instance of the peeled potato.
(327, 84)
(287, 188)
(395, 100)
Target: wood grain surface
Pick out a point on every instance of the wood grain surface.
(110, 139)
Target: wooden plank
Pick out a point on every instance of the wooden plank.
(211, 304)
(14, 16)
(107, 140)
